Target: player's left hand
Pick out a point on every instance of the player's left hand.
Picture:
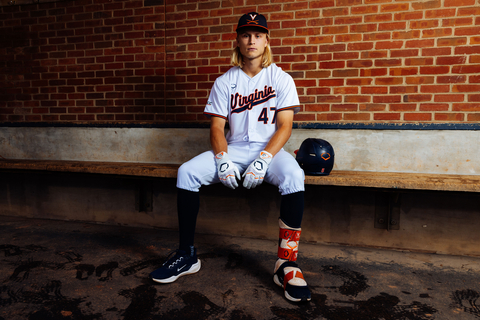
(256, 170)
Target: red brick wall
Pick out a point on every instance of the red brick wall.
(138, 61)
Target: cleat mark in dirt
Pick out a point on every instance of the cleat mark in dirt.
(11, 250)
(99, 271)
(4, 292)
(383, 306)
(50, 291)
(466, 300)
(70, 256)
(142, 302)
(81, 268)
(49, 300)
(108, 268)
(140, 265)
(25, 268)
(197, 307)
(354, 282)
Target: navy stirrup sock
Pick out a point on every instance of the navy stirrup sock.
(188, 205)
(291, 209)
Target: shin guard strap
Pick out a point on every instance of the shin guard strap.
(292, 274)
(288, 244)
(290, 234)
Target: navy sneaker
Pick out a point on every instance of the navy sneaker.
(179, 265)
(289, 276)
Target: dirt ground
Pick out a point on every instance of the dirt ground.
(73, 270)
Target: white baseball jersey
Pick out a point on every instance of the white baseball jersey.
(250, 104)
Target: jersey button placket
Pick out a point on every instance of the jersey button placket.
(251, 114)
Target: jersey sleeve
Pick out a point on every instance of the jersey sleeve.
(217, 104)
(287, 96)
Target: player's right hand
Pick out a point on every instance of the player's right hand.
(228, 172)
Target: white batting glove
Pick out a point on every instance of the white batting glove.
(227, 170)
(256, 170)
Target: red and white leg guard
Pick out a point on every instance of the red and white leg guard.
(288, 242)
(287, 273)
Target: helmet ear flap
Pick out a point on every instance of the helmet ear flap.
(316, 157)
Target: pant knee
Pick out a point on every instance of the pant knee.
(186, 178)
(294, 181)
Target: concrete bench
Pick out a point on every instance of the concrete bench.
(384, 180)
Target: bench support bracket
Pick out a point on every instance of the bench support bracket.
(387, 210)
(144, 196)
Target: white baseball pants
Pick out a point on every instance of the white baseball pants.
(283, 172)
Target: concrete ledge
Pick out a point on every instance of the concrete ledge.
(432, 151)
(389, 180)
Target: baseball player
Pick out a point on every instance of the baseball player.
(258, 100)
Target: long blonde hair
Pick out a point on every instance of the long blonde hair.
(267, 58)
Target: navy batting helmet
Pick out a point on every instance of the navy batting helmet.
(316, 157)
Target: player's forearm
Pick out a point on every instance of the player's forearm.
(218, 141)
(278, 140)
(217, 135)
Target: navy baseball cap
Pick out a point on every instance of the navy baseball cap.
(252, 20)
